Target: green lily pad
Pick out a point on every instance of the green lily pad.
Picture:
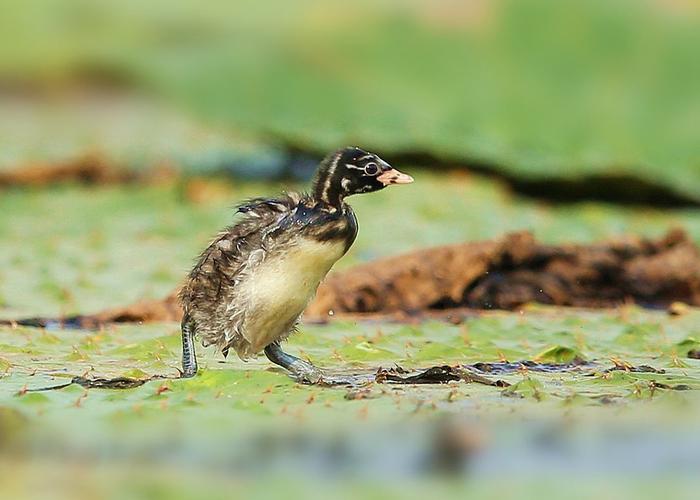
(559, 354)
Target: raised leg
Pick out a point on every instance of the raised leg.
(301, 370)
(189, 358)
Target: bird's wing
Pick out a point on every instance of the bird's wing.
(234, 247)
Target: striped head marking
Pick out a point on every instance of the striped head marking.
(351, 171)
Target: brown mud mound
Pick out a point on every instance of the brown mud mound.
(89, 169)
(506, 273)
(499, 274)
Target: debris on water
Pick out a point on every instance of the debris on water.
(694, 354)
(653, 384)
(502, 368)
(435, 375)
(626, 367)
(100, 383)
(359, 383)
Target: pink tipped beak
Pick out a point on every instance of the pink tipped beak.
(393, 176)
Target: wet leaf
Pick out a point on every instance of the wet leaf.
(559, 354)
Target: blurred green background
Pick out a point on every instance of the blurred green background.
(532, 88)
(576, 120)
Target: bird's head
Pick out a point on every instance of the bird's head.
(351, 171)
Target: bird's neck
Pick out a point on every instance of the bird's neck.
(326, 185)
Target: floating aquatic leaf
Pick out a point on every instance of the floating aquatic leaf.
(559, 354)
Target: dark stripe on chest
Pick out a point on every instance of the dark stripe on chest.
(322, 225)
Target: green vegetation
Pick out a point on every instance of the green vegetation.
(537, 88)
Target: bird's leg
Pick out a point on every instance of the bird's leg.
(189, 358)
(301, 370)
(306, 373)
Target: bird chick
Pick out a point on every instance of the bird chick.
(250, 286)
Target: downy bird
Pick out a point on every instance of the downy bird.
(250, 286)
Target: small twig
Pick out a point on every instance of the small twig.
(102, 383)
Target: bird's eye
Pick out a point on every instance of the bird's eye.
(371, 169)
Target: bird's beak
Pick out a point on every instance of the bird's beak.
(393, 176)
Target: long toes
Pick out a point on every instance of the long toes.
(311, 377)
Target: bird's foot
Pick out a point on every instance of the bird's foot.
(306, 373)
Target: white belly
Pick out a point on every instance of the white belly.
(281, 286)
